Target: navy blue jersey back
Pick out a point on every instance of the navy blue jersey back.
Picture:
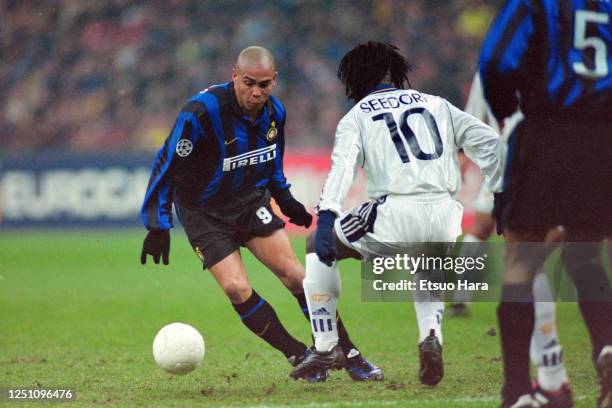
(557, 54)
(213, 152)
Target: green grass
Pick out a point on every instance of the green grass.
(78, 310)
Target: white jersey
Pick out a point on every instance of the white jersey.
(407, 142)
(477, 106)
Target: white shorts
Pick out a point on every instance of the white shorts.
(484, 200)
(391, 223)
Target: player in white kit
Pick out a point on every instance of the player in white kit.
(407, 143)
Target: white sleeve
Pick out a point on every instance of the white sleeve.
(481, 144)
(477, 106)
(346, 155)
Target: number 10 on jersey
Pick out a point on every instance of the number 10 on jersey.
(409, 135)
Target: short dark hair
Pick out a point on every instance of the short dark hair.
(367, 65)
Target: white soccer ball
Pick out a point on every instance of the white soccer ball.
(178, 348)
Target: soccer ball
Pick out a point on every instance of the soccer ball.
(178, 348)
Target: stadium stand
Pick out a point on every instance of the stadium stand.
(107, 76)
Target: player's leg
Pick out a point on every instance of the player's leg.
(584, 264)
(261, 231)
(276, 253)
(322, 289)
(515, 312)
(472, 246)
(322, 281)
(357, 366)
(254, 311)
(546, 351)
(265, 238)
(437, 222)
(523, 258)
(211, 234)
(583, 261)
(429, 308)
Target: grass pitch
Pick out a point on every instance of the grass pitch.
(78, 310)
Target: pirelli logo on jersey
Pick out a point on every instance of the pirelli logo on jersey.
(265, 154)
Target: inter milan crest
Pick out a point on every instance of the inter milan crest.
(184, 147)
(272, 132)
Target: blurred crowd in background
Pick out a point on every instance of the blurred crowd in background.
(111, 75)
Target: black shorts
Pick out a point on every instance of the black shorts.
(216, 230)
(560, 173)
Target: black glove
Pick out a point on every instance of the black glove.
(156, 244)
(293, 209)
(325, 239)
(500, 202)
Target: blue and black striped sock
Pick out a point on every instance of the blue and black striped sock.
(261, 319)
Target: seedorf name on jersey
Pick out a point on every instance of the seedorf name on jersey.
(265, 154)
(392, 102)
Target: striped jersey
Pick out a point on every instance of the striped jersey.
(408, 142)
(213, 153)
(554, 57)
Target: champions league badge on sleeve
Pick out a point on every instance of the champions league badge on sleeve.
(184, 147)
(272, 132)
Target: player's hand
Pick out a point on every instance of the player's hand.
(325, 239)
(156, 244)
(296, 212)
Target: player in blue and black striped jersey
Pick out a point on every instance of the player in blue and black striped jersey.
(219, 166)
(553, 58)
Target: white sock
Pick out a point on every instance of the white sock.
(545, 350)
(471, 250)
(429, 311)
(322, 289)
